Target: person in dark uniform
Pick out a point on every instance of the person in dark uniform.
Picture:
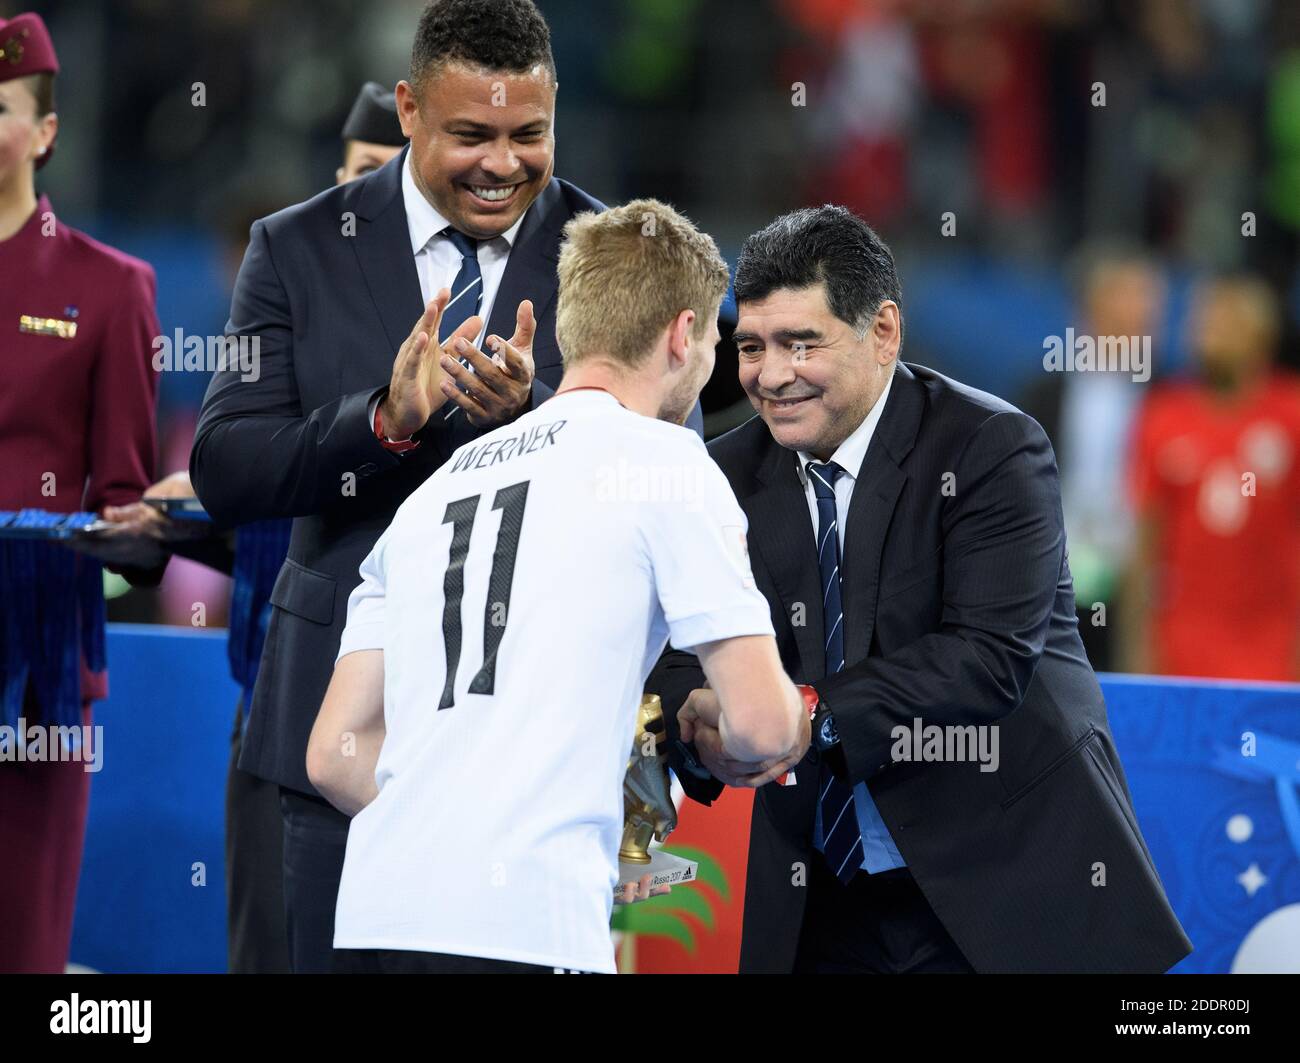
(372, 135)
(77, 322)
(255, 925)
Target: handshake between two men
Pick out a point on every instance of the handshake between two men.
(701, 723)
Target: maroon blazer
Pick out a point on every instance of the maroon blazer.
(81, 408)
(78, 406)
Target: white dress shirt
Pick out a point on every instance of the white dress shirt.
(436, 259)
(849, 456)
(879, 853)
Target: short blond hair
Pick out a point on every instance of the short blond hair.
(626, 273)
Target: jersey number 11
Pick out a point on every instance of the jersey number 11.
(460, 515)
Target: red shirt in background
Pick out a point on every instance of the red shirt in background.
(1227, 585)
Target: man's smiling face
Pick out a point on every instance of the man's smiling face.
(482, 142)
(811, 378)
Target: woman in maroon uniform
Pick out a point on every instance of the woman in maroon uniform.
(77, 323)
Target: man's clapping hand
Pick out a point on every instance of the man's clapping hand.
(499, 387)
(415, 389)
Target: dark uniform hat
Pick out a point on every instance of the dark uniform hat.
(374, 117)
(26, 49)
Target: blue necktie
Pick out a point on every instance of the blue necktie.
(841, 833)
(466, 289)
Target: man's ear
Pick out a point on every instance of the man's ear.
(887, 331)
(408, 106)
(679, 338)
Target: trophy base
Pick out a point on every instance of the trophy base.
(664, 869)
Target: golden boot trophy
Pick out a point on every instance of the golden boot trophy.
(648, 810)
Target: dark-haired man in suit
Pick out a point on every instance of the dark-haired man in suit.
(907, 533)
(358, 397)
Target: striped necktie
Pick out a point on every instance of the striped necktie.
(466, 290)
(841, 833)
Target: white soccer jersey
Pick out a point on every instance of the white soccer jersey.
(521, 596)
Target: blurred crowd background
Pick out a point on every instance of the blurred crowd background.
(1126, 168)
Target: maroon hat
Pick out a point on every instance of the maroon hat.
(26, 49)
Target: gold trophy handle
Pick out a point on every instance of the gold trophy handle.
(648, 810)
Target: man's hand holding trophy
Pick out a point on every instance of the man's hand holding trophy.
(649, 813)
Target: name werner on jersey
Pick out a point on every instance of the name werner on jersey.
(495, 450)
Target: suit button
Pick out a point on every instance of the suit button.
(368, 469)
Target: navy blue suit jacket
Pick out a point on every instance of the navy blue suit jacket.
(330, 311)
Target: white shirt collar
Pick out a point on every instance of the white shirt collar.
(424, 222)
(850, 454)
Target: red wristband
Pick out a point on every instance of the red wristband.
(400, 446)
(811, 699)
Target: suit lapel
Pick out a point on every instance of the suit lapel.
(781, 531)
(531, 268)
(875, 495)
(870, 511)
(383, 247)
